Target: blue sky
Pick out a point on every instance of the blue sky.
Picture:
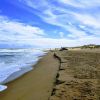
(49, 23)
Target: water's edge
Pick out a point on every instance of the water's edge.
(18, 73)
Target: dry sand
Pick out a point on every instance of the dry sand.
(36, 84)
(78, 76)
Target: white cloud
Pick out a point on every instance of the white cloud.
(12, 30)
(65, 23)
(71, 2)
(87, 20)
(81, 3)
(52, 43)
(40, 5)
(76, 24)
(75, 33)
(69, 19)
(20, 28)
(61, 34)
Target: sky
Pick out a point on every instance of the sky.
(49, 23)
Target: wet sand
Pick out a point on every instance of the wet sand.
(36, 84)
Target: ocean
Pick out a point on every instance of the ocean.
(16, 62)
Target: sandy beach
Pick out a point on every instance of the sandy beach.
(78, 76)
(49, 49)
(36, 84)
(59, 75)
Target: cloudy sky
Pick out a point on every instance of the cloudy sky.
(49, 23)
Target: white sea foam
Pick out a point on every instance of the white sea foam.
(2, 87)
(14, 63)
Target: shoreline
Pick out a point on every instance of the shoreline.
(59, 75)
(19, 73)
(36, 84)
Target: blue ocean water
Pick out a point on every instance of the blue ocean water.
(16, 62)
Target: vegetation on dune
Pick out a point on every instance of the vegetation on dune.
(90, 46)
